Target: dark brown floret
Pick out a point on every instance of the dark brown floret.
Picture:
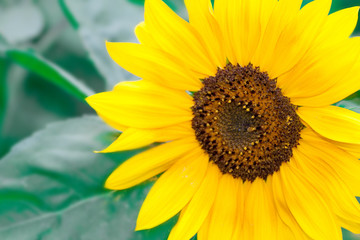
(244, 123)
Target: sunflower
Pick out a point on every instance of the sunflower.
(240, 100)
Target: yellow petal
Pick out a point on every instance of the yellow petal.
(354, 149)
(251, 27)
(144, 36)
(201, 17)
(347, 81)
(204, 229)
(298, 37)
(239, 226)
(318, 72)
(307, 206)
(109, 120)
(284, 232)
(346, 165)
(142, 107)
(260, 219)
(338, 26)
(144, 86)
(149, 163)
(332, 122)
(133, 138)
(250, 18)
(177, 37)
(173, 190)
(193, 216)
(282, 15)
(223, 214)
(283, 210)
(153, 64)
(242, 24)
(330, 185)
(228, 17)
(320, 68)
(224, 13)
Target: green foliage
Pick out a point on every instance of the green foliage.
(74, 23)
(352, 102)
(3, 91)
(51, 187)
(341, 4)
(175, 5)
(103, 21)
(3, 45)
(50, 72)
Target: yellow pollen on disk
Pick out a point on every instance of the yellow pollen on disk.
(244, 123)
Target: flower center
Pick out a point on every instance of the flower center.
(245, 124)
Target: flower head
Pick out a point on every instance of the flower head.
(241, 99)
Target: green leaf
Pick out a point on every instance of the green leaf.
(107, 20)
(3, 91)
(176, 5)
(20, 22)
(51, 187)
(352, 102)
(70, 17)
(341, 4)
(50, 72)
(3, 45)
(350, 236)
(338, 4)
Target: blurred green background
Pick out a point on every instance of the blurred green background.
(52, 55)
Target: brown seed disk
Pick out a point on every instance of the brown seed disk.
(244, 123)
